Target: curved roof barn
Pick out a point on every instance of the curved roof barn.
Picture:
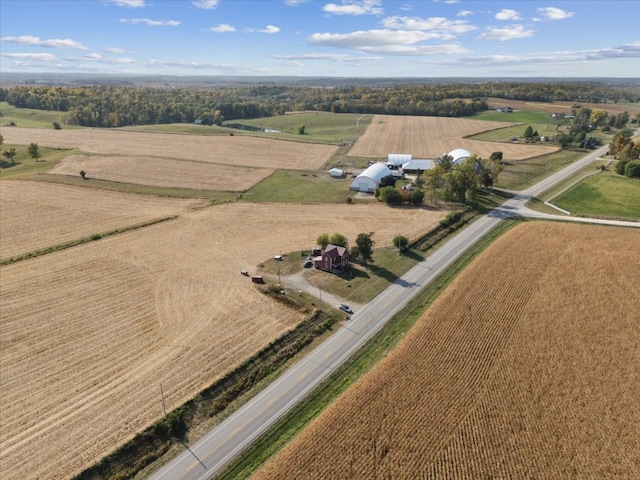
(369, 179)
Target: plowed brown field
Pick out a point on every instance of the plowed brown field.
(37, 215)
(561, 107)
(526, 367)
(88, 334)
(163, 172)
(221, 149)
(430, 137)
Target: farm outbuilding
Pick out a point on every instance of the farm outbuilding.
(459, 155)
(336, 173)
(396, 160)
(417, 166)
(369, 179)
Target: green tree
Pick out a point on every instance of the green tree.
(417, 196)
(339, 239)
(56, 126)
(528, 132)
(323, 240)
(489, 171)
(390, 196)
(301, 129)
(632, 169)
(365, 244)
(34, 151)
(217, 117)
(401, 242)
(461, 183)
(1, 141)
(10, 154)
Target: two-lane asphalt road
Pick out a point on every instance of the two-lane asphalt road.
(207, 456)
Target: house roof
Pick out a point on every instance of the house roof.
(335, 251)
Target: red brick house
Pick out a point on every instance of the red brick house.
(333, 258)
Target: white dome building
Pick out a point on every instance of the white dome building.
(369, 180)
(459, 155)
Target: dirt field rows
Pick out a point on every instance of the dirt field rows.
(239, 150)
(37, 215)
(430, 137)
(162, 172)
(561, 107)
(111, 320)
(526, 367)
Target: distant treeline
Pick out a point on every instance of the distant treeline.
(116, 106)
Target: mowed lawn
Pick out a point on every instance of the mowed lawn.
(603, 196)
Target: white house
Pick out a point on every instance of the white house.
(369, 179)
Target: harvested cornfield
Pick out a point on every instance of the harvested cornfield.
(240, 150)
(527, 366)
(88, 334)
(162, 172)
(562, 107)
(430, 137)
(38, 215)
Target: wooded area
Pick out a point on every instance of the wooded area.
(117, 106)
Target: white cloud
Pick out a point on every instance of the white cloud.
(295, 3)
(507, 14)
(52, 43)
(93, 56)
(464, 13)
(355, 7)
(270, 29)
(553, 13)
(394, 42)
(506, 33)
(151, 23)
(206, 4)
(115, 50)
(333, 57)
(43, 57)
(436, 24)
(129, 3)
(223, 28)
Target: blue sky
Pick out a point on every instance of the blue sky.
(346, 38)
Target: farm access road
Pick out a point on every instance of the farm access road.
(206, 457)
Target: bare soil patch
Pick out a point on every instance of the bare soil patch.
(162, 172)
(240, 150)
(525, 367)
(38, 215)
(430, 137)
(88, 334)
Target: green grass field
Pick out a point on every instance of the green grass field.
(319, 127)
(524, 173)
(295, 186)
(29, 118)
(605, 195)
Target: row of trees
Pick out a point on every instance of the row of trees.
(115, 106)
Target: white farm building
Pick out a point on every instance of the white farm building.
(369, 179)
(458, 155)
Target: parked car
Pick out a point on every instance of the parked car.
(346, 309)
(307, 264)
